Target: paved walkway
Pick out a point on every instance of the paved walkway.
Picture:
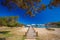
(30, 39)
(31, 35)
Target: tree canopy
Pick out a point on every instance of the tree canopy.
(30, 5)
(10, 21)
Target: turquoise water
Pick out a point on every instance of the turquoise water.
(37, 26)
(41, 26)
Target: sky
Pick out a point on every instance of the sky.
(46, 16)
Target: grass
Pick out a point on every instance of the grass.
(37, 38)
(12, 34)
(8, 36)
(2, 39)
(4, 32)
(13, 37)
(50, 29)
(23, 37)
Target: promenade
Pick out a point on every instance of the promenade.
(31, 34)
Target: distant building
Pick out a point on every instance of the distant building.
(52, 25)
